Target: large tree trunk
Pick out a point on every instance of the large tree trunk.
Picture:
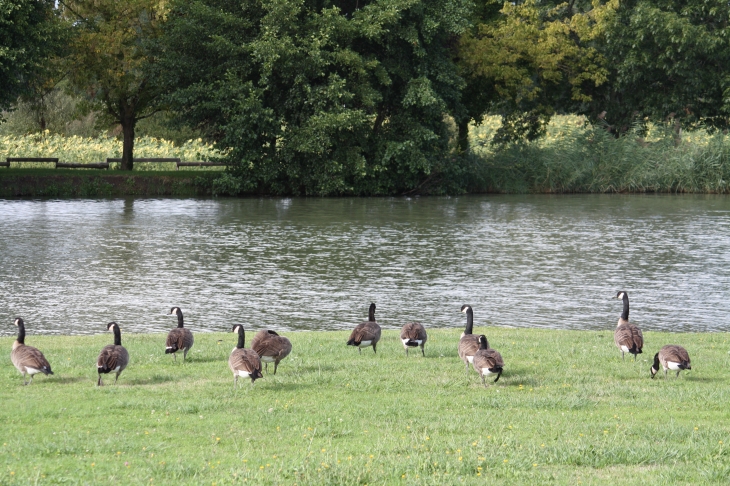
(464, 135)
(128, 123)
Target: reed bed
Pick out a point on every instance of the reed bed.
(575, 156)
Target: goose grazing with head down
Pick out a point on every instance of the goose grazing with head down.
(366, 333)
(27, 359)
(413, 335)
(244, 362)
(487, 361)
(469, 343)
(179, 338)
(628, 337)
(671, 357)
(114, 357)
(271, 347)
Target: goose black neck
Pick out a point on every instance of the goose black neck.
(371, 313)
(469, 321)
(483, 344)
(625, 313)
(117, 336)
(21, 333)
(179, 319)
(241, 338)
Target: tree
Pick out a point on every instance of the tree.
(31, 33)
(110, 60)
(319, 96)
(534, 60)
(669, 60)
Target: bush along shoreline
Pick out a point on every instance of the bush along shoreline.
(572, 157)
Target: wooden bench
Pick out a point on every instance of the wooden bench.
(200, 164)
(53, 160)
(80, 165)
(151, 159)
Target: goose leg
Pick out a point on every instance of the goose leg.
(185, 354)
(174, 357)
(406, 352)
(276, 365)
(622, 356)
(116, 377)
(99, 382)
(484, 382)
(423, 352)
(634, 358)
(374, 351)
(235, 382)
(266, 366)
(359, 349)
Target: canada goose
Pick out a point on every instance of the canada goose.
(271, 347)
(27, 359)
(671, 357)
(469, 343)
(366, 333)
(487, 361)
(179, 338)
(413, 335)
(628, 337)
(244, 362)
(114, 357)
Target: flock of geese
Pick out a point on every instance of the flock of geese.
(268, 346)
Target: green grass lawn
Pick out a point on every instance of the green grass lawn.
(567, 410)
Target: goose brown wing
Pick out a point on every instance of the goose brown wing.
(244, 359)
(488, 358)
(628, 335)
(30, 357)
(365, 331)
(274, 346)
(468, 345)
(258, 338)
(413, 331)
(675, 353)
(112, 356)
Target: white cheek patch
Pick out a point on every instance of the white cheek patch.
(365, 344)
(673, 366)
(620, 296)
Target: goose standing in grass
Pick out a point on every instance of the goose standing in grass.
(271, 347)
(27, 359)
(413, 335)
(671, 357)
(114, 357)
(469, 343)
(179, 338)
(366, 333)
(628, 337)
(244, 362)
(487, 361)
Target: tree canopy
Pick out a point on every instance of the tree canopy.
(31, 35)
(320, 97)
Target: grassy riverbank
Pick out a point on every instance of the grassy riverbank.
(567, 410)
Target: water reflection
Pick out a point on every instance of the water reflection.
(69, 267)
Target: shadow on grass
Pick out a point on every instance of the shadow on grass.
(155, 380)
(64, 380)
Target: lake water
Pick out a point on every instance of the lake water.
(69, 267)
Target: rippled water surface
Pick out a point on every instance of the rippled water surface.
(69, 267)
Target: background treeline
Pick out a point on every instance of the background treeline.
(370, 97)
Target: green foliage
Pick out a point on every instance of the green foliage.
(31, 32)
(332, 416)
(319, 98)
(539, 59)
(669, 59)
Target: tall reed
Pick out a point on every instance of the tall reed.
(578, 157)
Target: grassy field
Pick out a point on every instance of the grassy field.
(567, 410)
